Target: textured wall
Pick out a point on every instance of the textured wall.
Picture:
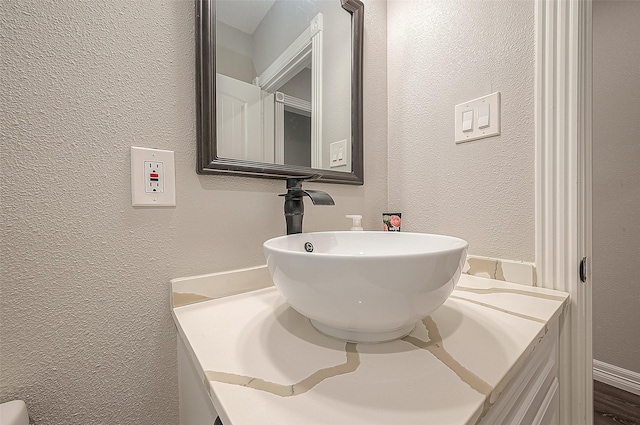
(616, 192)
(85, 329)
(442, 53)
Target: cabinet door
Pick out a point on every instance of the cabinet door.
(195, 405)
(549, 413)
(529, 397)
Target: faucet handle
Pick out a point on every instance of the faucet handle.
(296, 182)
(295, 190)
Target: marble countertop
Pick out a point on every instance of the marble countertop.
(262, 362)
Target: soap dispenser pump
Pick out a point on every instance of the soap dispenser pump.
(357, 221)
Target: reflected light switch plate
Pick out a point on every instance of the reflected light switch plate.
(338, 154)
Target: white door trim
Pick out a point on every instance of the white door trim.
(284, 102)
(563, 186)
(316, 93)
(306, 50)
(278, 125)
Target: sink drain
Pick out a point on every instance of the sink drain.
(308, 247)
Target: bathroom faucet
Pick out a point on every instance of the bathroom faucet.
(294, 206)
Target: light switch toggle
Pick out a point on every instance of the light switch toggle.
(484, 113)
(467, 120)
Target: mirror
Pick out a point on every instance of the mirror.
(279, 88)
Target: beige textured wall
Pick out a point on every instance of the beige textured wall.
(442, 53)
(616, 188)
(233, 53)
(86, 335)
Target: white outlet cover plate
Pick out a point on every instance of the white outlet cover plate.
(493, 101)
(139, 196)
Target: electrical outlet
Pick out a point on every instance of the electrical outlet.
(153, 177)
(153, 180)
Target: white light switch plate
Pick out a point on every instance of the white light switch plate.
(153, 177)
(338, 154)
(492, 102)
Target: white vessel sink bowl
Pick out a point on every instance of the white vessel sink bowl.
(365, 286)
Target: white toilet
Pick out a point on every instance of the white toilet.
(14, 413)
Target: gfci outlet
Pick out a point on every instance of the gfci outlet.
(153, 178)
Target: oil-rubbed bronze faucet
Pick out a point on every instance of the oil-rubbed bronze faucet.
(294, 206)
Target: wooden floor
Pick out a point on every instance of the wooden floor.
(612, 406)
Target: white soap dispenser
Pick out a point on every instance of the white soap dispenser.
(357, 221)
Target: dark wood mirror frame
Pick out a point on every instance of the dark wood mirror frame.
(208, 161)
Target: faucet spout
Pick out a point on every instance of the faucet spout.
(294, 205)
(319, 197)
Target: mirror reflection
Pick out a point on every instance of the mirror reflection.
(283, 82)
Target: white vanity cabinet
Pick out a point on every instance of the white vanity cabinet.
(196, 408)
(531, 398)
(488, 356)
